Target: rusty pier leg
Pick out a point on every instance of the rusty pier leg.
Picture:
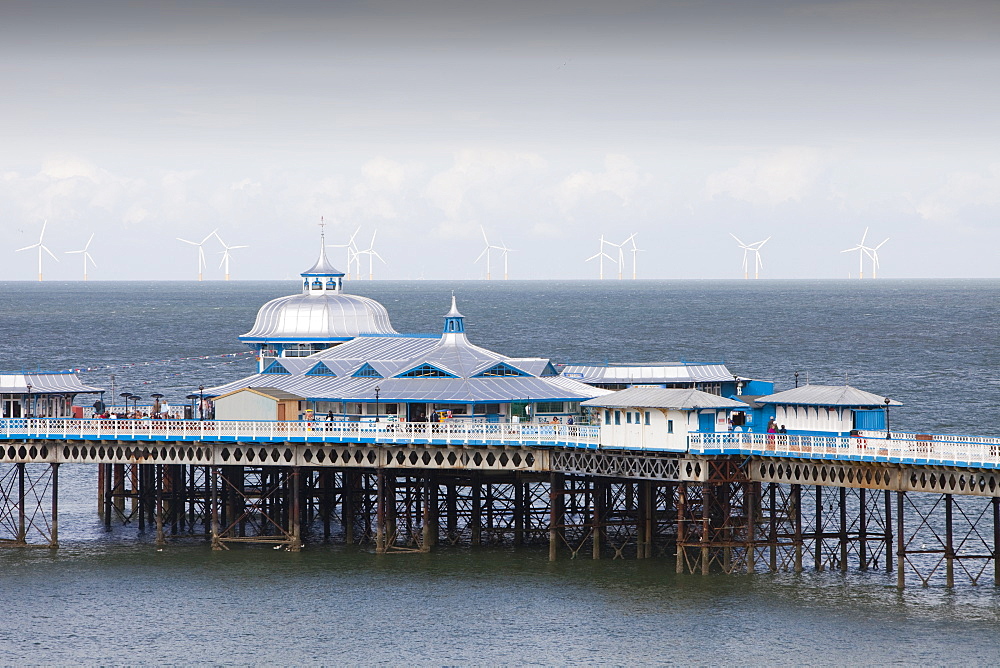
(949, 544)
(160, 540)
(888, 532)
(818, 544)
(900, 542)
(557, 483)
(843, 529)
(380, 512)
(797, 509)
(682, 490)
(295, 513)
(54, 538)
(996, 541)
(598, 494)
(862, 529)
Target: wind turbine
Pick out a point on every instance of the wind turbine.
(873, 254)
(600, 255)
(635, 252)
(503, 249)
(225, 253)
(201, 250)
(86, 256)
(487, 253)
(751, 248)
(352, 251)
(372, 254)
(866, 250)
(40, 248)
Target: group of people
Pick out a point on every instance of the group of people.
(773, 428)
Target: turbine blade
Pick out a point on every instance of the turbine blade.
(737, 239)
(863, 237)
(50, 253)
(27, 247)
(88, 241)
(881, 244)
(193, 243)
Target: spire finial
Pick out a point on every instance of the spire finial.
(322, 230)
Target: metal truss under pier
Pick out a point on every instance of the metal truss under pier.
(923, 524)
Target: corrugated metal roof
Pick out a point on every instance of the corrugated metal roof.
(394, 355)
(827, 395)
(663, 373)
(44, 383)
(658, 397)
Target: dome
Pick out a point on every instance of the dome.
(319, 317)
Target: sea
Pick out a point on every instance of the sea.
(114, 598)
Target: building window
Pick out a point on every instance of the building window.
(501, 370)
(647, 418)
(275, 368)
(618, 417)
(367, 371)
(456, 409)
(549, 407)
(426, 371)
(320, 370)
(628, 417)
(607, 417)
(670, 426)
(486, 409)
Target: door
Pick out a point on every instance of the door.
(281, 410)
(416, 412)
(706, 422)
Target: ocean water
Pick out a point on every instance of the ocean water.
(114, 598)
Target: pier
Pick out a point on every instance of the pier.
(923, 508)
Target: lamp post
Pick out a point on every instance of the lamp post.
(156, 403)
(376, 403)
(192, 398)
(126, 396)
(28, 407)
(135, 403)
(796, 379)
(201, 402)
(888, 434)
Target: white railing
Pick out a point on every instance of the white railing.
(338, 432)
(913, 448)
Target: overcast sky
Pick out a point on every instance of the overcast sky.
(548, 124)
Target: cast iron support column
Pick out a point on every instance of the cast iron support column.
(557, 482)
(996, 541)
(598, 491)
(642, 528)
(107, 496)
(818, 544)
(22, 535)
(380, 513)
(949, 546)
(295, 516)
(159, 503)
(863, 529)
(772, 530)
(213, 473)
(843, 529)
(54, 540)
(888, 532)
(797, 509)
(519, 511)
(900, 542)
(349, 483)
(430, 512)
(477, 511)
(682, 489)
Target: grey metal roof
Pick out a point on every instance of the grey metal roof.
(44, 383)
(393, 355)
(657, 373)
(322, 266)
(827, 395)
(319, 317)
(658, 397)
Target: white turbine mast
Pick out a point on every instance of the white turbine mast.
(86, 255)
(504, 250)
(600, 255)
(201, 251)
(372, 254)
(41, 247)
(754, 248)
(225, 253)
(873, 254)
(352, 251)
(488, 253)
(635, 252)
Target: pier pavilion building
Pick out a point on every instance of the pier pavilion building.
(41, 394)
(340, 355)
(824, 410)
(711, 378)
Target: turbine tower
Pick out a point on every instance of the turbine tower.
(751, 248)
(488, 253)
(41, 247)
(600, 255)
(225, 254)
(873, 254)
(372, 254)
(86, 256)
(635, 252)
(352, 251)
(201, 251)
(503, 249)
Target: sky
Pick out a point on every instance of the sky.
(546, 124)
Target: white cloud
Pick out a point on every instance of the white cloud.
(481, 181)
(786, 174)
(961, 191)
(620, 177)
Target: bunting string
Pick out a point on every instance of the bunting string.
(233, 358)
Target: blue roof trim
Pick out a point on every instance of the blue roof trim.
(278, 339)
